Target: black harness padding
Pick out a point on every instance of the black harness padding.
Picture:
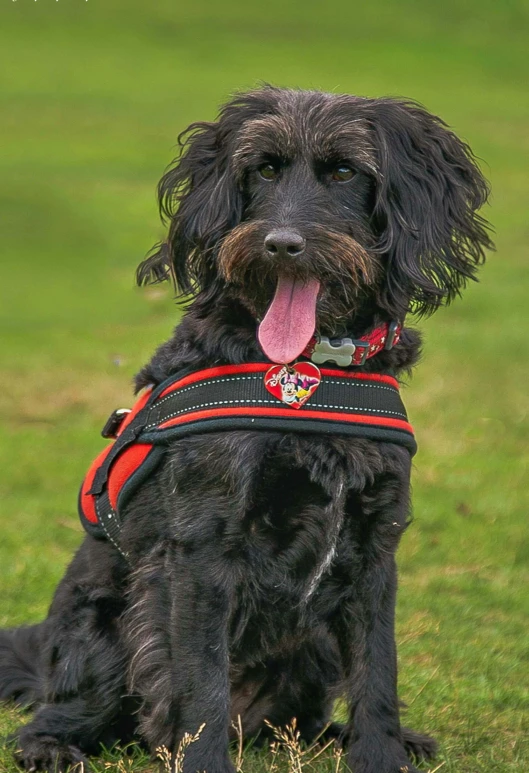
(232, 397)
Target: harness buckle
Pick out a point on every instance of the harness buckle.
(114, 422)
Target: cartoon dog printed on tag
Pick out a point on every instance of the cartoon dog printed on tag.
(292, 386)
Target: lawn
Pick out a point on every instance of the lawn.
(93, 95)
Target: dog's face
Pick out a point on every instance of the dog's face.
(306, 177)
(312, 207)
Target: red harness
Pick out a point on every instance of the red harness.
(228, 398)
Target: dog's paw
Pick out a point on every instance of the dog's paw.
(418, 746)
(47, 754)
(373, 757)
(379, 766)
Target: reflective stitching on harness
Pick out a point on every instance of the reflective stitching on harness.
(269, 402)
(111, 538)
(228, 379)
(101, 521)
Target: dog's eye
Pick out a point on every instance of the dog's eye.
(268, 171)
(342, 173)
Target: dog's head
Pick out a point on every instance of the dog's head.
(311, 208)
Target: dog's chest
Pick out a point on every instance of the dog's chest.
(274, 504)
(271, 515)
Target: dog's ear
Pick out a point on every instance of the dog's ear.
(200, 197)
(428, 195)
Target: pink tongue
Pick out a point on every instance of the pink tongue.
(290, 321)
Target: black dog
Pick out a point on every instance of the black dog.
(261, 577)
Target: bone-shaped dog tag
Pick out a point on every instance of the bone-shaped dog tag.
(340, 353)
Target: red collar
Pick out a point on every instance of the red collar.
(345, 352)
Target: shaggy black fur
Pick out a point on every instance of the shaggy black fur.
(262, 573)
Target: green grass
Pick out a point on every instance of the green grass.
(93, 95)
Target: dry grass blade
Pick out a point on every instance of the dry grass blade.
(425, 685)
(274, 750)
(240, 743)
(289, 740)
(298, 758)
(121, 766)
(177, 765)
(164, 755)
(320, 750)
(437, 768)
(338, 756)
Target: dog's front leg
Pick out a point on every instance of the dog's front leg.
(177, 630)
(366, 632)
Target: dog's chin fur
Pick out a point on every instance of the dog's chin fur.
(262, 581)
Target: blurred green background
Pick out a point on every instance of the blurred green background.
(93, 96)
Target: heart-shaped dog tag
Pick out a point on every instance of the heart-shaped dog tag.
(293, 384)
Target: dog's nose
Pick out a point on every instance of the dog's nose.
(284, 243)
